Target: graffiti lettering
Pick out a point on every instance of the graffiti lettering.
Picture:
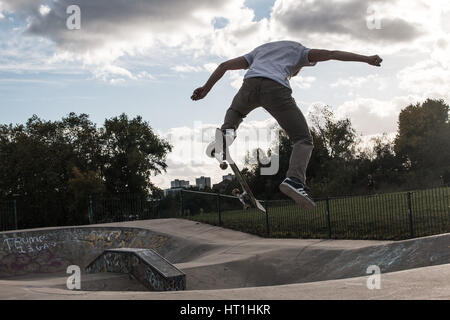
(28, 244)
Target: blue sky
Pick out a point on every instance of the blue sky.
(146, 57)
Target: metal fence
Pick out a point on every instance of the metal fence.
(122, 208)
(31, 212)
(392, 216)
(8, 215)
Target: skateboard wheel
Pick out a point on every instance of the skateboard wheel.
(223, 165)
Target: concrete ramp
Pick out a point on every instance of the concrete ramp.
(145, 265)
(216, 259)
(54, 249)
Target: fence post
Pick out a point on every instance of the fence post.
(328, 218)
(267, 218)
(218, 209)
(410, 213)
(91, 211)
(15, 214)
(158, 209)
(182, 202)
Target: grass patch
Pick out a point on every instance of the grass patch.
(377, 217)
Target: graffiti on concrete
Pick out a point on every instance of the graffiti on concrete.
(45, 251)
(28, 244)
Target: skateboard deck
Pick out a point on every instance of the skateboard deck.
(225, 158)
(246, 188)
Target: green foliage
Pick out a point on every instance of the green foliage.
(336, 136)
(55, 165)
(423, 138)
(419, 156)
(133, 154)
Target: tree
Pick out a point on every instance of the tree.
(338, 136)
(56, 165)
(423, 138)
(381, 163)
(132, 154)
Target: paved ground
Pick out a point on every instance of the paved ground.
(420, 283)
(225, 264)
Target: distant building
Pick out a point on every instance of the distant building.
(229, 177)
(179, 184)
(176, 185)
(203, 182)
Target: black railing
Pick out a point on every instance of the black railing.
(8, 215)
(123, 208)
(391, 216)
(26, 212)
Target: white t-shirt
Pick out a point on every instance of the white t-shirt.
(277, 60)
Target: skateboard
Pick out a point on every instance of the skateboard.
(243, 198)
(221, 153)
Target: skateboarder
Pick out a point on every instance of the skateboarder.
(266, 83)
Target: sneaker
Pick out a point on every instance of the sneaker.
(295, 189)
(229, 137)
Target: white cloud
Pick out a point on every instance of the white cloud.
(210, 67)
(117, 81)
(430, 77)
(185, 28)
(358, 82)
(427, 79)
(236, 78)
(372, 116)
(186, 68)
(44, 10)
(354, 86)
(105, 72)
(145, 75)
(302, 82)
(160, 30)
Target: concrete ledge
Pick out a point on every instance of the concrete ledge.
(146, 265)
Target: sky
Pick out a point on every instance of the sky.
(145, 57)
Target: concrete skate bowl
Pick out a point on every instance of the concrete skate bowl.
(51, 251)
(230, 260)
(317, 262)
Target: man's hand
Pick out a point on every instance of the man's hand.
(233, 64)
(374, 60)
(199, 93)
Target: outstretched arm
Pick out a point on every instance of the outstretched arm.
(317, 55)
(233, 64)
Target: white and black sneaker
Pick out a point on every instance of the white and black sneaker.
(295, 189)
(228, 134)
